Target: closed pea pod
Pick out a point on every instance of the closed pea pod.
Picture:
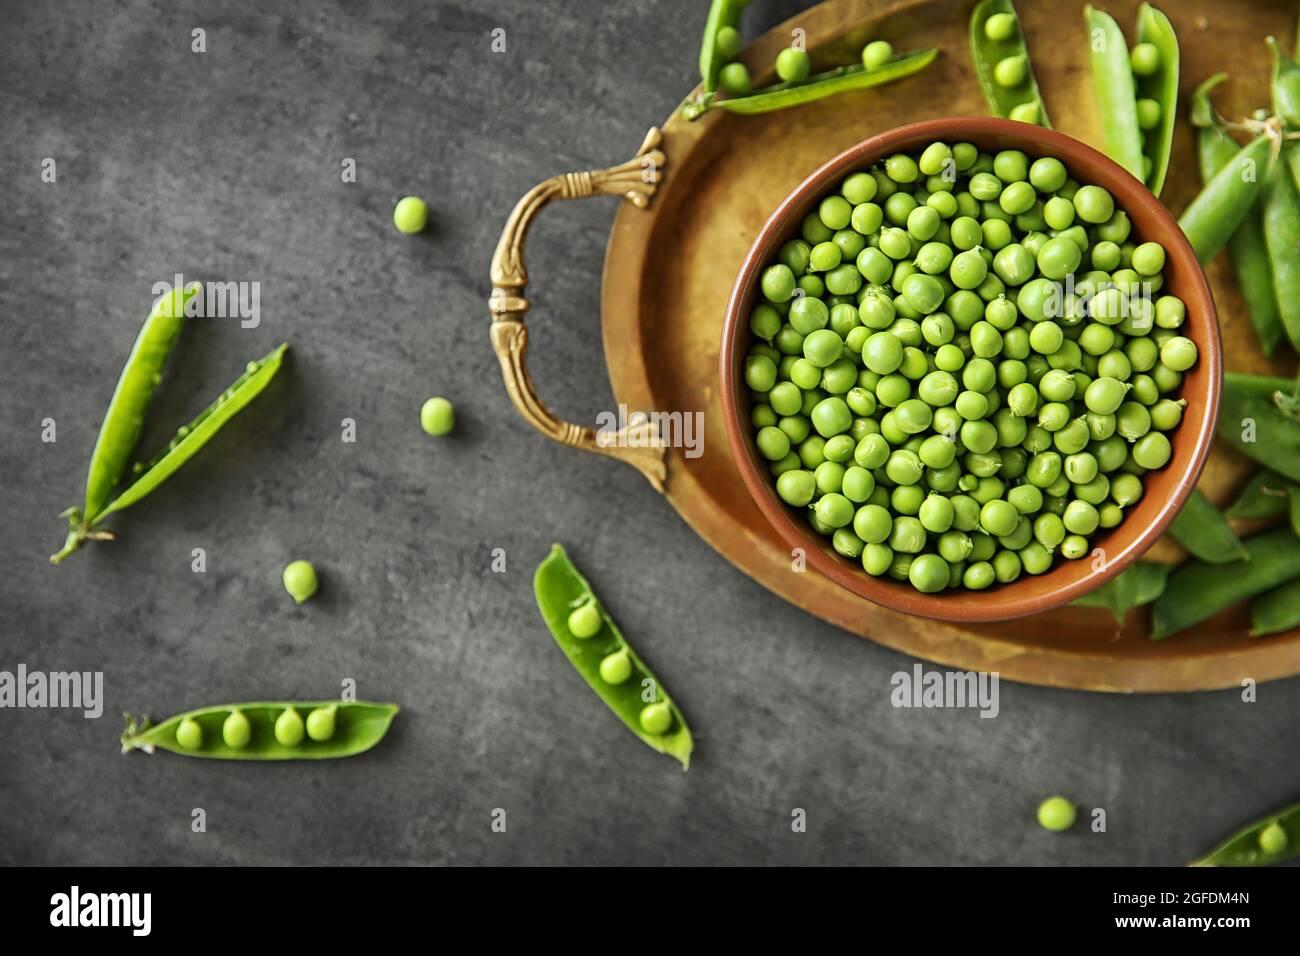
(1203, 530)
(637, 698)
(264, 730)
(1281, 214)
(1265, 496)
(1226, 200)
(1277, 610)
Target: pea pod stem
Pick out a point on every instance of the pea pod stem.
(839, 80)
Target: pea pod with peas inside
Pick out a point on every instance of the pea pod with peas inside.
(818, 86)
(599, 652)
(120, 431)
(266, 730)
(1001, 59)
(1272, 839)
(1246, 248)
(719, 41)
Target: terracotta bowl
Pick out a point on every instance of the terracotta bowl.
(1165, 490)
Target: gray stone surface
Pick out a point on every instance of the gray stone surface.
(226, 165)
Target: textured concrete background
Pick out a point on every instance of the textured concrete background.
(225, 165)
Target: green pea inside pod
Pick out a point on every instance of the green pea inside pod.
(289, 728)
(616, 668)
(321, 723)
(189, 734)
(236, 731)
(656, 718)
(584, 620)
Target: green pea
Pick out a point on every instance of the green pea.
(410, 215)
(1058, 258)
(1148, 258)
(1166, 414)
(321, 723)
(1126, 489)
(777, 282)
(585, 620)
(300, 580)
(1094, 204)
(936, 513)
(438, 416)
(1144, 58)
(289, 728)
(882, 353)
(616, 668)
(1006, 566)
(978, 576)
(796, 487)
(877, 559)
(189, 735)
(236, 731)
(1273, 839)
(859, 188)
(928, 573)
(1152, 450)
(872, 452)
(1011, 165)
(877, 53)
(1056, 814)
(834, 510)
(1178, 353)
(733, 79)
(656, 718)
(793, 66)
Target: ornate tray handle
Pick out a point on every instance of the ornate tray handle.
(639, 445)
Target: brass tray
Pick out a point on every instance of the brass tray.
(698, 192)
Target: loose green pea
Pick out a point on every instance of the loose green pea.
(1178, 353)
(300, 580)
(289, 728)
(928, 573)
(236, 730)
(410, 215)
(616, 668)
(189, 734)
(1056, 814)
(1152, 450)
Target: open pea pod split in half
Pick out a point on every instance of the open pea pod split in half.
(270, 730)
(124, 421)
(842, 79)
(561, 590)
(1003, 42)
(1273, 839)
(722, 13)
(1138, 110)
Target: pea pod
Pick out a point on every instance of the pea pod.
(189, 439)
(329, 728)
(1203, 530)
(561, 590)
(987, 52)
(1141, 583)
(1276, 611)
(722, 13)
(1259, 844)
(1162, 87)
(1116, 95)
(1198, 589)
(839, 80)
(1251, 421)
(1282, 237)
(1225, 201)
(1246, 248)
(124, 419)
(1265, 496)
(1285, 85)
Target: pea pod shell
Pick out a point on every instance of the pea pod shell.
(1141, 583)
(1112, 76)
(1276, 611)
(841, 80)
(1225, 201)
(1247, 411)
(722, 13)
(560, 588)
(1203, 530)
(1285, 84)
(1198, 589)
(1243, 849)
(198, 432)
(124, 420)
(1265, 496)
(359, 725)
(1282, 237)
(1154, 28)
(987, 53)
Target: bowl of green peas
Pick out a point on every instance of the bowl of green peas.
(970, 368)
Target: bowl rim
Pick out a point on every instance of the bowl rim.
(1066, 581)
